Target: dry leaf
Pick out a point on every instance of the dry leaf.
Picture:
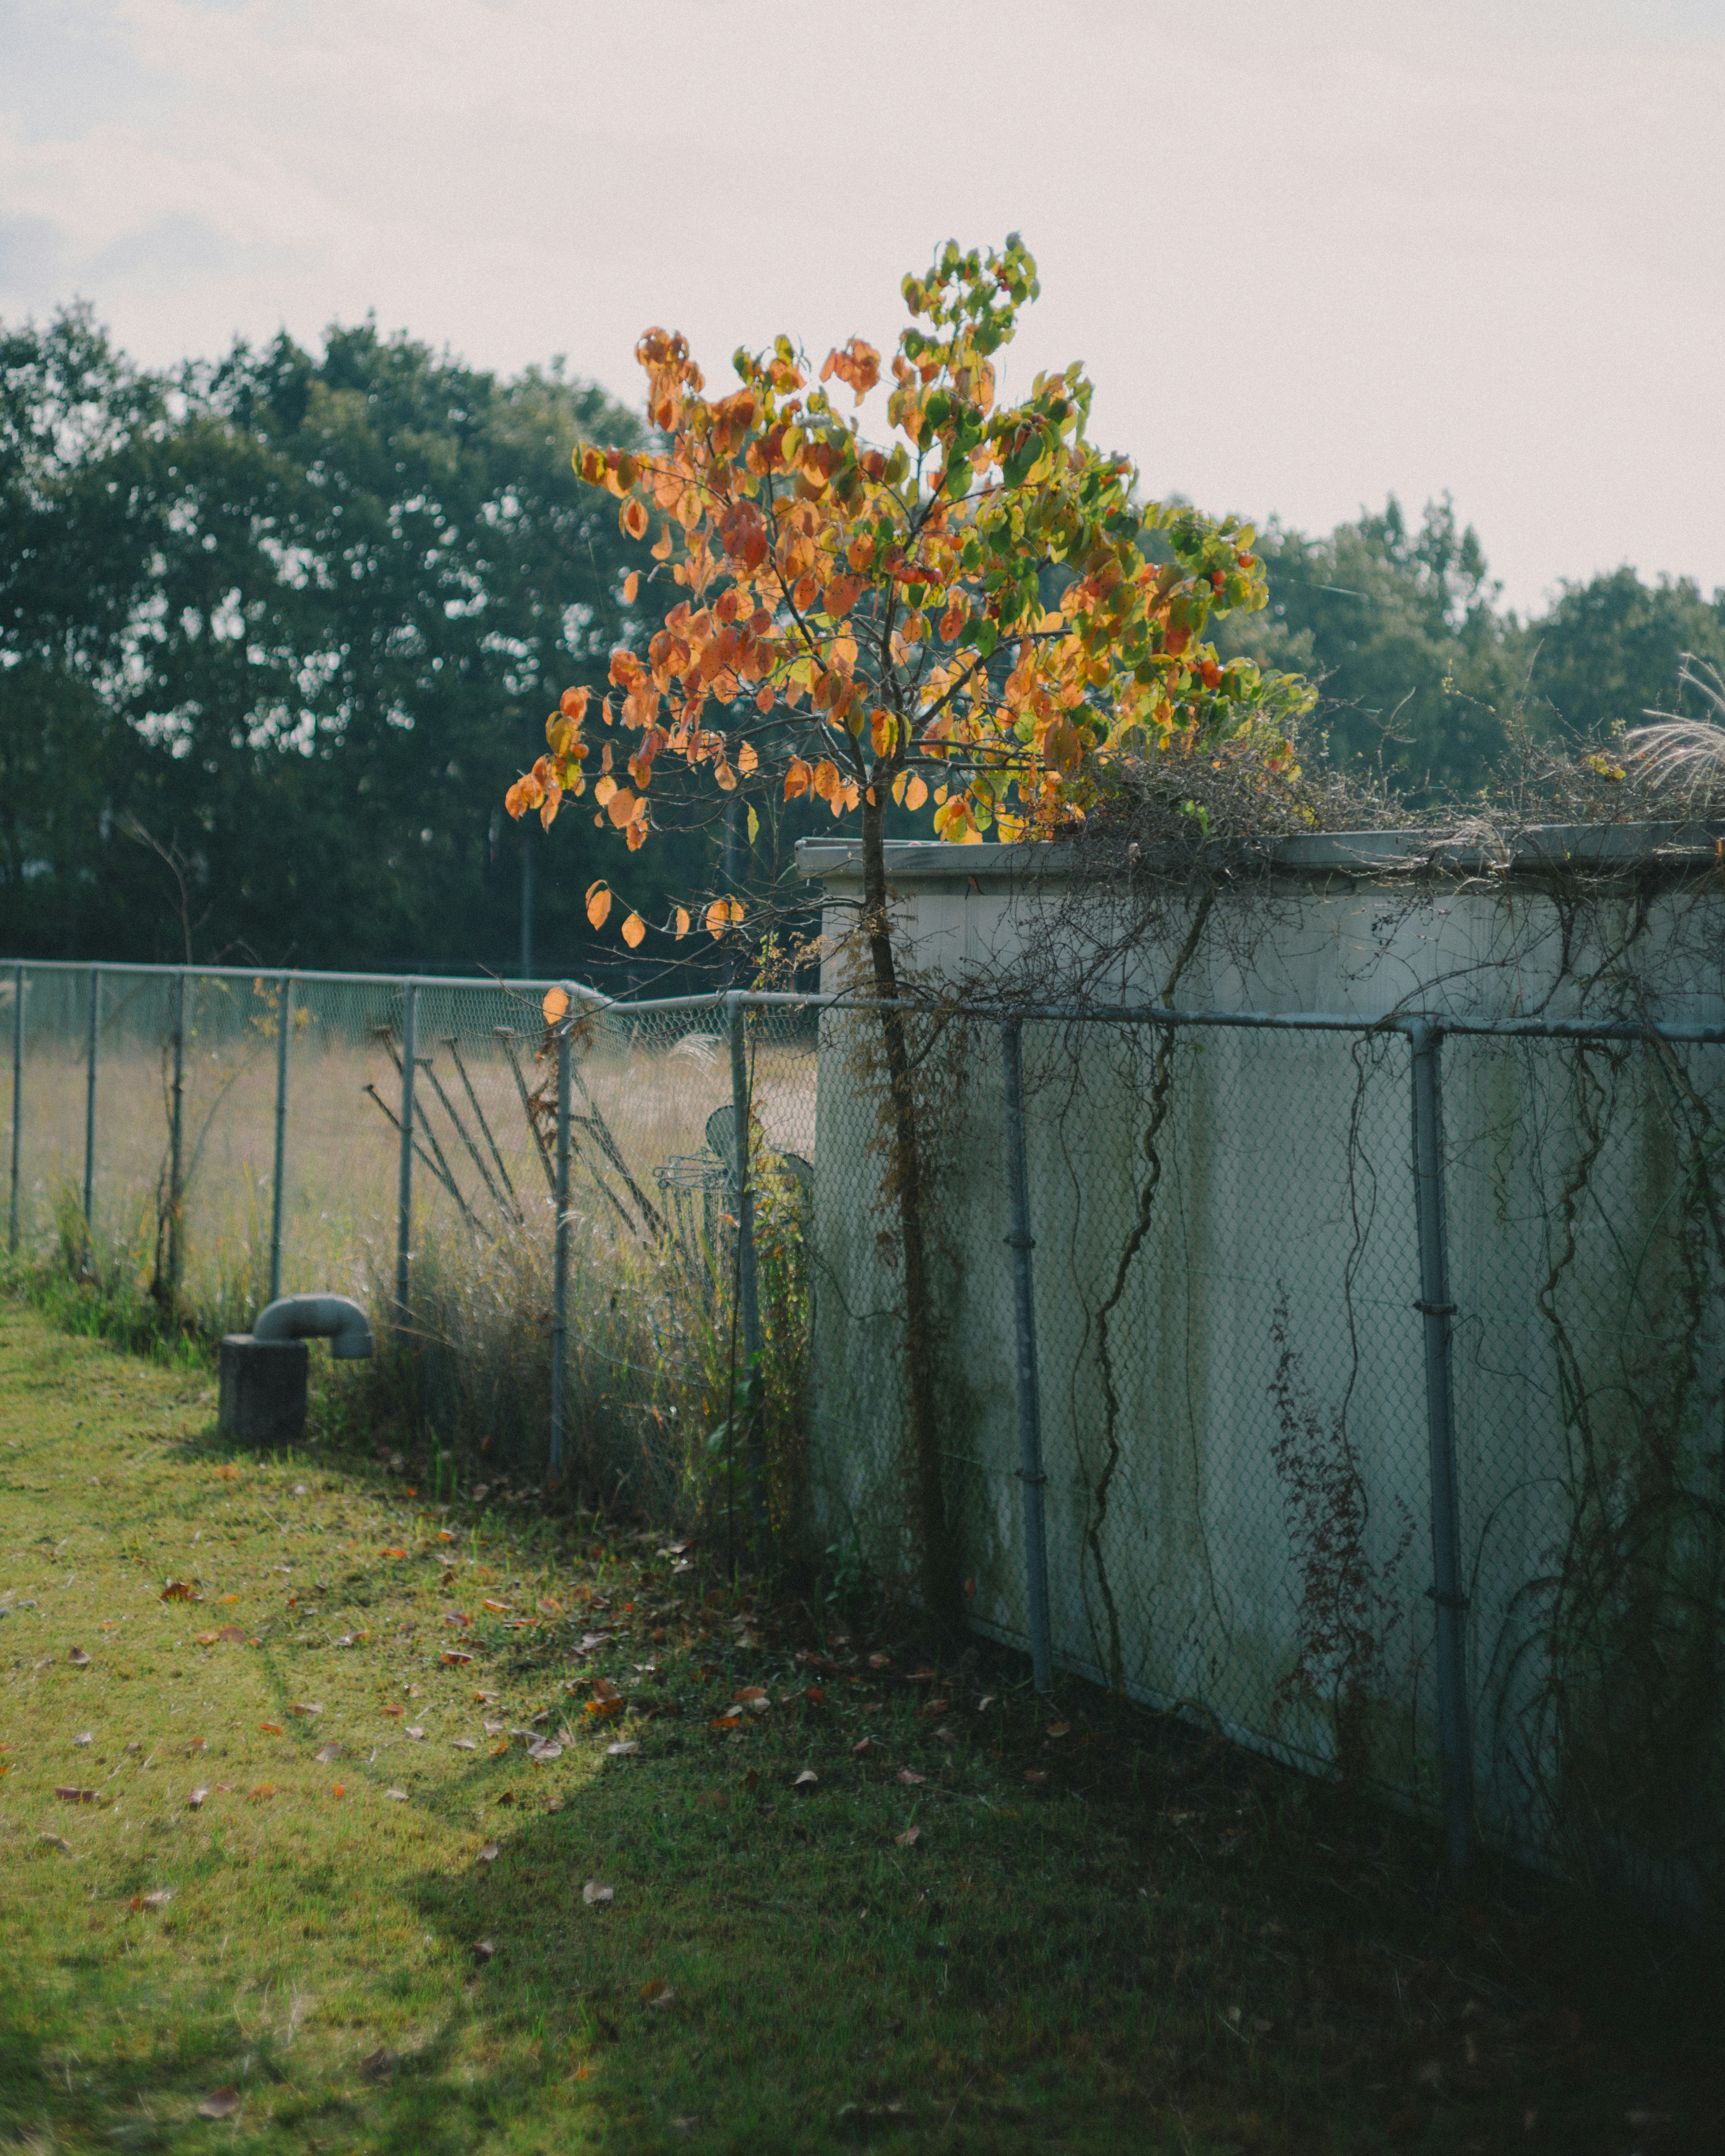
(1036, 1774)
(262, 1791)
(807, 1779)
(394, 1553)
(910, 1776)
(77, 1656)
(379, 2067)
(235, 1634)
(464, 1744)
(454, 1657)
(593, 1893)
(625, 1748)
(382, 1710)
(880, 1661)
(69, 1793)
(88, 1736)
(545, 1748)
(196, 1799)
(220, 2103)
(863, 1745)
(414, 1731)
(270, 1729)
(325, 1753)
(1059, 1728)
(483, 1949)
(656, 1992)
(484, 1698)
(488, 1854)
(180, 1590)
(56, 1842)
(159, 1900)
(397, 1796)
(909, 1838)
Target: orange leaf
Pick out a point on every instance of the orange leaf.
(634, 929)
(598, 903)
(746, 759)
(631, 585)
(555, 1005)
(179, 1590)
(270, 1729)
(796, 778)
(682, 918)
(621, 807)
(718, 918)
(632, 519)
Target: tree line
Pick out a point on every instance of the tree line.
(276, 630)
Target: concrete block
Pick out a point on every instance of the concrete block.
(263, 1389)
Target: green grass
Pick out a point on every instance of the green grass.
(1105, 1935)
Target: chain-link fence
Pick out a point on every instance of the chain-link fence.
(1357, 1388)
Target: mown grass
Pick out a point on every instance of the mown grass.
(999, 1926)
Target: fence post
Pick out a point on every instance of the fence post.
(748, 1285)
(560, 1269)
(176, 1130)
(18, 1098)
(1425, 1040)
(1030, 1389)
(1020, 1242)
(89, 1107)
(284, 1018)
(405, 1200)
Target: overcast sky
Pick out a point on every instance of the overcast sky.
(1312, 251)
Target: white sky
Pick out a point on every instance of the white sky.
(1311, 250)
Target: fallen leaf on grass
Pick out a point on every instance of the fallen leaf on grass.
(392, 1553)
(751, 1695)
(56, 1842)
(862, 1746)
(483, 1698)
(593, 1893)
(488, 1854)
(880, 1661)
(197, 1744)
(391, 1710)
(625, 1748)
(551, 1607)
(720, 1722)
(921, 1676)
(77, 1658)
(546, 1747)
(196, 1799)
(483, 1949)
(656, 1992)
(270, 1729)
(325, 1753)
(910, 1776)
(87, 1737)
(69, 1793)
(226, 1473)
(414, 1731)
(179, 1590)
(497, 1609)
(936, 1706)
(497, 1750)
(1059, 1728)
(263, 1791)
(464, 1744)
(807, 1779)
(338, 1790)
(305, 1707)
(236, 1635)
(397, 1796)
(159, 1900)
(204, 1639)
(1036, 1774)
(872, 2114)
(379, 2067)
(909, 1838)
(456, 1656)
(444, 1536)
(222, 2102)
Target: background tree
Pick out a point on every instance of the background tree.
(866, 624)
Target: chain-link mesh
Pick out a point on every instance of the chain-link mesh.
(1233, 1400)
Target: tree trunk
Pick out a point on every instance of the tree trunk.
(939, 1573)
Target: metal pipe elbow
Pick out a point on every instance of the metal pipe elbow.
(337, 1318)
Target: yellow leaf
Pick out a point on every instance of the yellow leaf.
(634, 929)
(631, 585)
(718, 917)
(916, 793)
(754, 827)
(598, 903)
(746, 759)
(682, 921)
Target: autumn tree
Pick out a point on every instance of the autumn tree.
(865, 622)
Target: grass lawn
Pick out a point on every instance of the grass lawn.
(778, 1889)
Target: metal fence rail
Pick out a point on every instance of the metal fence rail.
(1345, 1382)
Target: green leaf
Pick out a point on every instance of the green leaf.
(754, 827)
